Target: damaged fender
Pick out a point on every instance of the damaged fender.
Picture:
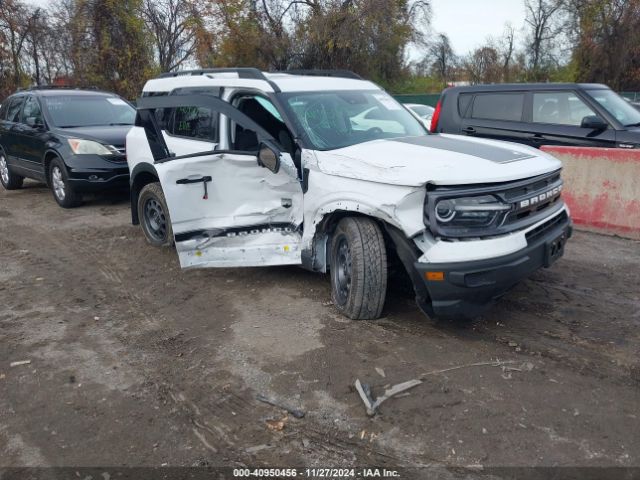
(398, 206)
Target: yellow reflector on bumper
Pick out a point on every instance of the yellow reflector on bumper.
(434, 276)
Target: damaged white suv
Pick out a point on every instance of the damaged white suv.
(244, 168)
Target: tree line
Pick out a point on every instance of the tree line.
(561, 40)
(118, 44)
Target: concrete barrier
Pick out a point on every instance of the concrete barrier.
(602, 188)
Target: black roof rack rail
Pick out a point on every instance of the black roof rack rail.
(55, 87)
(243, 72)
(324, 73)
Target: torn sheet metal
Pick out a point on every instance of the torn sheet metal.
(250, 204)
(253, 248)
(400, 206)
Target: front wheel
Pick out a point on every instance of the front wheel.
(154, 216)
(63, 192)
(358, 264)
(9, 180)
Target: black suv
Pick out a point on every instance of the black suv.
(540, 114)
(74, 140)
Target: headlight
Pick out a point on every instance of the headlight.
(469, 211)
(79, 147)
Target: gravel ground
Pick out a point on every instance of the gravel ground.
(134, 362)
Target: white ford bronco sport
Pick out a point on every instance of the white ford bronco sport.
(244, 168)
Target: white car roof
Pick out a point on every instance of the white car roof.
(410, 105)
(285, 82)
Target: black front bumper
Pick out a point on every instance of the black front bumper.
(467, 289)
(94, 174)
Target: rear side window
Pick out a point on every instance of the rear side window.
(15, 106)
(498, 106)
(464, 100)
(194, 122)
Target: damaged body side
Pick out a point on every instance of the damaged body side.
(330, 197)
(250, 216)
(398, 209)
(225, 209)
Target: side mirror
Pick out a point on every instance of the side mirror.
(34, 123)
(593, 122)
(269, 157)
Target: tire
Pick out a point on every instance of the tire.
(62, 191)
(9, 180)
(358, 265)
(154, 216)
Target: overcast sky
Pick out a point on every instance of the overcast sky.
(467, 22)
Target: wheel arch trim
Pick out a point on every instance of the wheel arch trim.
(140, 176)
(47, 158)
(317, 235)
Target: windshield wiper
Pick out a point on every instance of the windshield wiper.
(633, 125)
(116, 124)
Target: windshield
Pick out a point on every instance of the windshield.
(339, 119)
(616, 106)
(422, 110)
(89, 111)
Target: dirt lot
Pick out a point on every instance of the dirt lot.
(135, 362)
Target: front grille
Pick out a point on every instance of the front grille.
(539, 186)
(542, 229)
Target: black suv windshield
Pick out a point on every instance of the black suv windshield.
(616, 106)
(89, 111)
(339, 119)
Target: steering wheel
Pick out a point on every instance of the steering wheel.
(375, 130)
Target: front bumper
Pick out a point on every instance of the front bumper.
(94, 173)
(467, 289)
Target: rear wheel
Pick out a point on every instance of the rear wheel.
(63, 193)
(9, 180)
(358, 264)
(154, 216)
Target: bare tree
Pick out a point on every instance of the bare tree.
(483, 65)
(506, 50)
(37, 43)
(16, 22)
(442, 56)
(545, 25)
(171, 24)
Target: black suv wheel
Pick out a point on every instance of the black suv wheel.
(59, 183)
(9, 180)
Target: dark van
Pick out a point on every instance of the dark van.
(540, 114)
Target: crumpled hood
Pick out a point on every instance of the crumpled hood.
(439, 159)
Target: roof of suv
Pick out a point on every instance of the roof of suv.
(506, 87)
(304, 81)
(49, 92)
